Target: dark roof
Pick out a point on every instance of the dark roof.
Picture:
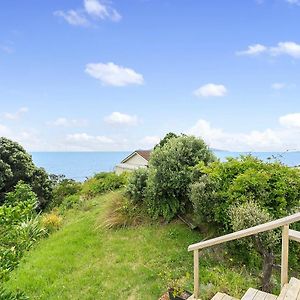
(143, 153)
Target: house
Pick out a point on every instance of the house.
(137, 159)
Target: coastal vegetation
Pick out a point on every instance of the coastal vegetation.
(120, 236)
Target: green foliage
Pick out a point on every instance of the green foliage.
(137, 183)
(71, 201)
(273, 185)
(166, 138)
(170, 174)
(19, 227)
(250, 214)
(103, 182)
(63, 189)
(16, 165)
(6, 295)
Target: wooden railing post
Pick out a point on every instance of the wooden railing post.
(284, 255)
(196, 274)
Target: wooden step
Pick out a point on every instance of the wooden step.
(254, 294)
(290, 291)
(222, 296)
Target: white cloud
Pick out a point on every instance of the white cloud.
(211, 90)
(297, 2)
(99, 10)
(17, 115)
(91, 10)
(112, 74)
(84, 137)
(253, 50)
(117, 118)
(73, 17)
(288, 48)
(64, 122)
(278, 85)
(282, 48)
(149, 141)
(265, 140)
(290, 120)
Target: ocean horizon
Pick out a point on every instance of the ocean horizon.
(82, 165)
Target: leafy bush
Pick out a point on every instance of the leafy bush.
(250, 214)
(170, 174)
(137, 183)
(274, 186)
(103, 182)
(71, 201)
(17, 165)
(63, 189)
(19, 227)
(51, 222)
(243, 192)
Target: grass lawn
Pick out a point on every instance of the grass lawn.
(81, 261)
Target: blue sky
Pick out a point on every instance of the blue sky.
(95, 75)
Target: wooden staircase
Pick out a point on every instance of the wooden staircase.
(290, 291)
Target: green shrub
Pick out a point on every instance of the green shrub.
(71, 201)
(170, 174)
(63, 189)
(17, 165)
(51, 222)
(137, 184)
(103, 182)
(19, 227)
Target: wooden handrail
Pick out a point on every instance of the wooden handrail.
(287, 234)
(246, 232)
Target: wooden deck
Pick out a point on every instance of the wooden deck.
(290, 291)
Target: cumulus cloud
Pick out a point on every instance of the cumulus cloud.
(117, 118)
(211, 90)
(17, 115)
(288, 48)
(65, 122)
(253, 50)
(112, 74)
(3, 130)
(281, 139)
(91, 10)
(99, 10)
(290, 120)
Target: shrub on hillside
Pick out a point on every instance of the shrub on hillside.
(63, 189)
(137, 183)
(17, 165)
(103, 182)
(170, 174)
(51, 222)
(244, 192)
(19, 227)
(72, 201)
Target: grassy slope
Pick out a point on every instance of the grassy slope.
(82, 262)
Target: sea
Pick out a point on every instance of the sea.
(82, 165)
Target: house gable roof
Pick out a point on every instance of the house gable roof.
(143, 153)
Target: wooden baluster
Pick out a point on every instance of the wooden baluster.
(284, 255)
(196, 274)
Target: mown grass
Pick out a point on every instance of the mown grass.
(84, 261)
